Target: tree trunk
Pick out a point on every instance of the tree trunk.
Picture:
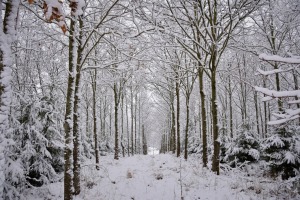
(68, 175)
(122, 125)
(127, 126)
(116, 157)
(214, 111)
(135, 122)
(173, 126)
(203, 118)
(178, 114)
(94, 86)
(76, 113)
(131, 109)
(145, 148)
(256, 112)
(265, 112)
(187, 127)
(230, 109)
(6, 39)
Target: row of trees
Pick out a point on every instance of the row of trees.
(253, 28)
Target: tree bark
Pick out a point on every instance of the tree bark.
(68, 175)
(203, 118)
(94, 86)
(187, 127)
(131, 110)
(116, 156)
(214, 111)
(7, 30)
(145, 148)
(76, 134)
(178, 113)
(122, 125)
(127, 126)
(173, 128)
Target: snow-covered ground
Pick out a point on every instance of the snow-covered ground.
(164, 177)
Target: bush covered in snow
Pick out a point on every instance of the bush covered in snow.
(282, 152)
(36, 155)
(245, 147)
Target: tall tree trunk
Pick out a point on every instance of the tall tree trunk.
(214, 112)
(76, 113)
(68, 156)
(104, 118)
(173, 126)
(135, 122)
(230, 108)
(94, 87)
(131, 110)
(178, 113)
(116, 98)
(203, 118)
(122, 125)
(110, 119)
(127, 126)
(187, 127)
(7, 30)
(265, 113)
(139, 133)
(145, 148)
(256, 112)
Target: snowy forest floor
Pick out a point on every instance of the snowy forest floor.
(164, 177)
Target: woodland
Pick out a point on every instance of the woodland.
(90, 85)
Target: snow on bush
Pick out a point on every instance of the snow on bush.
(245, 147)
(282, 152)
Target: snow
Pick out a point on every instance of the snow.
(153, 151)
(162, 176)
(266, 73)
(278, 94)
(80, 5)
(289, 157)
(291, 60)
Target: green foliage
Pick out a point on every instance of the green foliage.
(36, 156)
(282, 152)
(244, 148)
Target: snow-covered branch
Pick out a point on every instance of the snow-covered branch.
(290, 60)
(275, 71)
(278, 94)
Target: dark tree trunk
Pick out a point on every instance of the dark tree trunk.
(178, 114)
(76, 135)
(214, 112)
(68, 171)
(145, 147)
(116, 157)
(203, 118)
(94, 86)
(187, 128)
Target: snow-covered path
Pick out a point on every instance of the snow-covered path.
(158, 178)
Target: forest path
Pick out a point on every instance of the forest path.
(148, 177)
(145, 177)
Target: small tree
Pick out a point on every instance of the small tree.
(35, 155)
(282, 152)
(245, 147)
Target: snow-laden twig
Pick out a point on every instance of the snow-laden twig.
(290, 60)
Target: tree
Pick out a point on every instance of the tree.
(7, 33)
(222, 18)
